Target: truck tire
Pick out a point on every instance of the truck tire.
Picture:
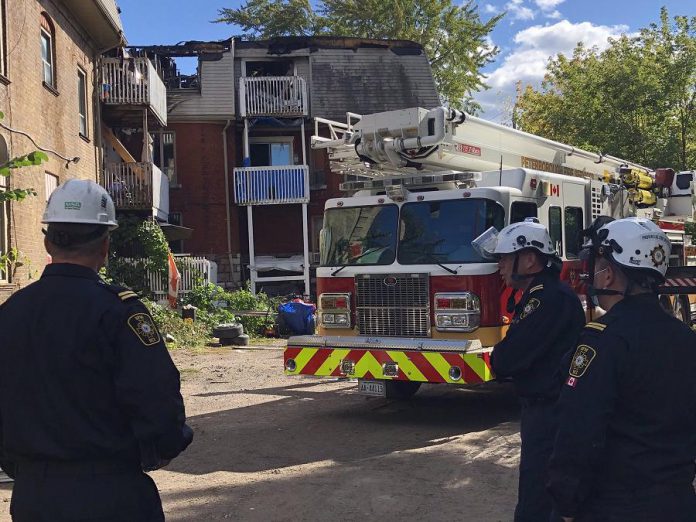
(228, 330)
(681, 309)
(241, 340)
(401, 390)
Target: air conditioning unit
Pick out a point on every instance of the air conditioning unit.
(315, 258)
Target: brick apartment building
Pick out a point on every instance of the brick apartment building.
(237, 142)
(68, 86)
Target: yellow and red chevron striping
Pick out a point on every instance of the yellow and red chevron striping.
(425, 366)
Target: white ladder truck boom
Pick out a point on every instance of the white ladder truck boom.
(397, 143)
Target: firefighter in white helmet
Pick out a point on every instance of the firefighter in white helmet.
(87, 361)
(546, 322)
(626, 443)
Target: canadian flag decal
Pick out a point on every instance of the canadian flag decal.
(555, 190)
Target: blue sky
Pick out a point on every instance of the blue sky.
(531, 31)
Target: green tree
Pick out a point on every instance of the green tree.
(453, 35)
(636, 99)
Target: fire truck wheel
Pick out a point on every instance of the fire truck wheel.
(401, 389)
(681, 309)
(228, 330)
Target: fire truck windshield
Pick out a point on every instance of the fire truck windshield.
(360, 235)
(442, 231)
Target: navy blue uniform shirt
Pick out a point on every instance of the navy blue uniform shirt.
(545, 326)
(84, 374)
(627, 408)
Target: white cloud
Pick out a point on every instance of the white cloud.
(555, 15)
(490, 9)
(517, 10)
(547, 5)
(533, 47)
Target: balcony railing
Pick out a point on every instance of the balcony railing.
(138, 186)
(271, 185)
(133, 81)
(281, 96)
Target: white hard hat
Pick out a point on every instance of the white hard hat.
(514, 238)
(80, 201)
(635, 244)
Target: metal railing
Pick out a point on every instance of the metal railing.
(271, 185)
(137, 186)
(284, 96)
(133, 81)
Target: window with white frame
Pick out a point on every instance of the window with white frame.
(3, 39)
(82, 102)
(48, 51)
(271, 151)
(177, 246)
(51, 182)
(164, 154)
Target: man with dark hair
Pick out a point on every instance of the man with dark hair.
(545, 325)
(89, 396)
(626, 442)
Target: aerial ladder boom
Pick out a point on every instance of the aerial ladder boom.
(398, 143)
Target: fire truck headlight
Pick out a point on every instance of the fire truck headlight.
(290, 365)
(457, 311)
(335, 310)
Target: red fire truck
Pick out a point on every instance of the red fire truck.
(403, 297)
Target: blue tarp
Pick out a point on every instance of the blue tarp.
(298, 317)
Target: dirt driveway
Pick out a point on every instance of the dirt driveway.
(270, 447)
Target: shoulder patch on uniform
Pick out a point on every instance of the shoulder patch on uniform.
(536, 288)
(581, 360)
(529, 307)
(144, 327)
(596, 326)
(127, 294)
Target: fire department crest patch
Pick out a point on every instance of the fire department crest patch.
(581, 360)
(657, 255)
(531, 305)
(144, 328)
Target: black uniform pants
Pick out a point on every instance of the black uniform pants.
(537, 430)
(94, 492)
(666, 502)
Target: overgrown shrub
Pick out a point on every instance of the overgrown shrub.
(216, 305)
(186, 333)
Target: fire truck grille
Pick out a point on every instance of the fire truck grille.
(393, 305)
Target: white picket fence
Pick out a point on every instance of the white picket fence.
(192, 269)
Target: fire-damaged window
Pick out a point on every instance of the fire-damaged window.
(164, 154)
(573, 231)
(442, 231)
(270, 68)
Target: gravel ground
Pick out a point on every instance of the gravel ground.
(270, 447)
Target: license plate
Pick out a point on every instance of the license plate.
(373, 388)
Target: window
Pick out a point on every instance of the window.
(177, 247)
(4, 222)
(51, 181)
(82, 101)
(442, 231)
(164, 155)
(3, 40)
(556, 229)
(48, 51)
(573, 230)
(266, 152)
(684, 180)
(522, 209)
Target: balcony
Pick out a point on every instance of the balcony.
(132, 82)
(138, 186)
(271, 185)
(279, 96)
